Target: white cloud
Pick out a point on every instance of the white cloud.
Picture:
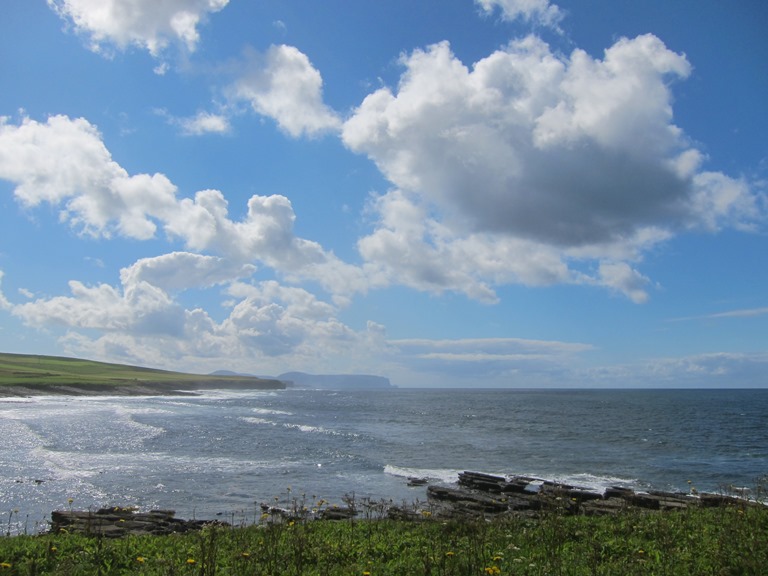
(269, 326)
(179, 271)
(266, 235)
(283, 85)
(204, 123)
(536, 11)
(148, 24)
(139, 309)
(570, 158)
(4, 303)
(621, 277)
(64, 161)
(411, 248)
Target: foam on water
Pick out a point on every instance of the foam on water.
(441, 475)
(269, 412)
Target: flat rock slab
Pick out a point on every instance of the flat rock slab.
(118, 522)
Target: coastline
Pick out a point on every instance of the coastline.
(139, 388)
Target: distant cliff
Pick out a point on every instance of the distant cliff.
(335, 381)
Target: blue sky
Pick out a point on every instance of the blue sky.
(466, 193)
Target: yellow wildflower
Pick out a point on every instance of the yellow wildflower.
(140, 559)
(5, 565)
(191, 561)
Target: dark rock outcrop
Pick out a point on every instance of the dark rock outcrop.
(117, 522)
(484, 494)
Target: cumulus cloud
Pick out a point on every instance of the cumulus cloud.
(180, 271)
(64, 162)
(141, 321)
(576, 157)
(409, 247)
(147, 24)
(266, 235)
(283, 85)
(139, 309)
(535, 11)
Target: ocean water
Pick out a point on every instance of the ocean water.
(224, 452)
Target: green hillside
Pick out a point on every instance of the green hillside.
(22, 374)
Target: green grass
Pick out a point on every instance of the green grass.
(33, 372)
(723, 542)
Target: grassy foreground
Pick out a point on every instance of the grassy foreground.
(52, 374)
(722, 541)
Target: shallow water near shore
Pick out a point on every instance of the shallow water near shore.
(222, 453)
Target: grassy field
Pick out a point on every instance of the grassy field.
(51, 374)
(725, 541)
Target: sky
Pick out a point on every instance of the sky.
(461, 193)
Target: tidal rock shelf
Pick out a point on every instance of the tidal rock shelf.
(485, 494)
(118, 522)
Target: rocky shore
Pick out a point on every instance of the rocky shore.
(484, 494)
(476, 495)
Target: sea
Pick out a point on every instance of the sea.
(223, 453)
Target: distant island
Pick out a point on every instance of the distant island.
(335, 381)
(32, 375)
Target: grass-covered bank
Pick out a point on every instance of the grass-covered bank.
(718, 541)
(28, 375)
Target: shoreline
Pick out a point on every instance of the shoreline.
(476, 496)
(139, 388)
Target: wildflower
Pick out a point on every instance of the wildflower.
(291, 523)
(366, 573)
(450, 554)
(5, 565)
(140, 559)
(245, 555)
(498, 558)
(492, 570)
(191, 561)
(426, 513)
(70, 500)
(53, 549)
